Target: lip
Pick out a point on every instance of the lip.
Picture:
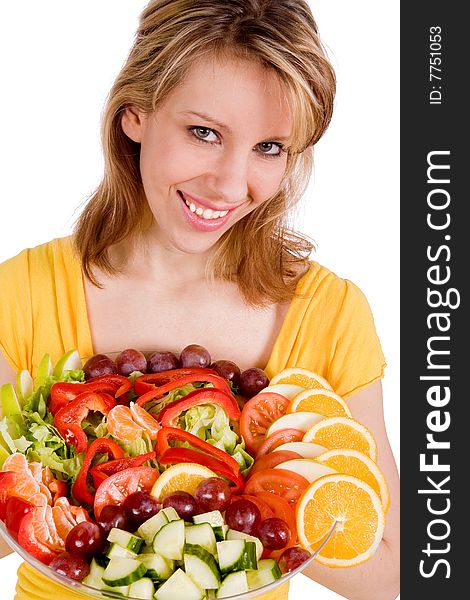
(197, 222)
(205, 203)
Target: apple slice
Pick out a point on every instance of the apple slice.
(4, 454)
(10, 403)
(305, 449)
(307, 467)
(284, 389)
(71, 361)
(24, 385)
(299, 420)
(44, 371)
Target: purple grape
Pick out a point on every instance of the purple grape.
(213, 494)
(292, 558)
(85, 538)
(99, 364)
(162, 361)
(252, 381)
(227, 369)
(139, 507)
(73, 566)
(131, 360)
(274, 533)
(243, 515)
(184, 504)
(113, 516)
(195, 356)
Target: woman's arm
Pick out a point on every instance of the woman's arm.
(378, 578)
(7, 375)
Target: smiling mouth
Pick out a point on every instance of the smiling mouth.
(201, 211)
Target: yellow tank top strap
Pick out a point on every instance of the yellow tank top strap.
(32, 585)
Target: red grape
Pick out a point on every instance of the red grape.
(243, 515)
(274, 533)
(139, 507)
(292, 558)
(131, 360)
(253, 381)
(73, 566)
(195, 356)
(227, 369)
(213, 494)
(113, 516)
(162, 361)
(99, 364)
(85, 538)
(184, 504)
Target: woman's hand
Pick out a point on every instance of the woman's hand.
(378, 578)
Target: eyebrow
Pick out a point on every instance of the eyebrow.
(224, 127)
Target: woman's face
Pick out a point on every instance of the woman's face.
(213, 152)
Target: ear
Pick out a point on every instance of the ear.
(132, 123)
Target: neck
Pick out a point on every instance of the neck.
(147, 258)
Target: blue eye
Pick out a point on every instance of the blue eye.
(270, 148)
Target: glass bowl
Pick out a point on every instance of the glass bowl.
(93, 592)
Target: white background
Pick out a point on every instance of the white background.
(57, 62)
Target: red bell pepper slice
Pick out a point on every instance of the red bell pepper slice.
(218, 382)
(103, 470)
(100, 445)
(168, 416)
(62, 393)
(146, 383)
(69, 418)
(182, 455)
(200, 451)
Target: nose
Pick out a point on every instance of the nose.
(230, 177)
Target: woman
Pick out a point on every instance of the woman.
(208, 137)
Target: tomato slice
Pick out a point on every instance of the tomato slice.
(264, 509)
(16, 509)
(269, 461)
(283, 436)
(257, 415)
(282, 482)
(282, 510)
(115, 489)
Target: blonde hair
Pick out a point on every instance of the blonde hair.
(281, 35)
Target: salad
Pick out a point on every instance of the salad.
(85, 450)
(178, 477)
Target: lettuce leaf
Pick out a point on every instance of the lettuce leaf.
(35, 435)
(211, 423)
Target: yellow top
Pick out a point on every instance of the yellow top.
(328, 329)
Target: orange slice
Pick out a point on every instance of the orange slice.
(324, 402)
(359, 517)
(145, 420)
(121, 425)
(182, 477)
(301, 377)
(358, 464)
(342, 432)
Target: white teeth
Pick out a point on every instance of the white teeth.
(206, 213)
